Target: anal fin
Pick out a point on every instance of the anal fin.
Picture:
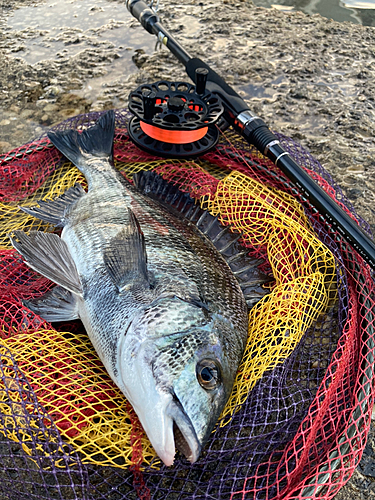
(54, 211)
(57, 304)
(49, 255)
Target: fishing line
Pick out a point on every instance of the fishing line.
(173, 136)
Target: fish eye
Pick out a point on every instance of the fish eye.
(208, 374)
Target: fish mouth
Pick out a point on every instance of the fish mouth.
(163, 418)
(185, 438)
(182, 444)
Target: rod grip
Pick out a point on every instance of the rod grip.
(142, 12)
(257, 133)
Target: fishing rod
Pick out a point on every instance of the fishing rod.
(256, 132)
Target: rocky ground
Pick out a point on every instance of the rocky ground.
(308, 77)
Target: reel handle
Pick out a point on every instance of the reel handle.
(217, 85)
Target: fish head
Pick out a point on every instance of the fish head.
(177, 368)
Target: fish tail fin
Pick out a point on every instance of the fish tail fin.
(95, 141)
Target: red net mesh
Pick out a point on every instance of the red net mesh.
(302, 427)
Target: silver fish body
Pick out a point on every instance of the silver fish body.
(160, 304)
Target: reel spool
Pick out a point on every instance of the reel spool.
(175, 119)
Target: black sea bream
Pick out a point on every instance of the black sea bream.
(159, 302)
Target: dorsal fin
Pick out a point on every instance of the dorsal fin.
(224, 238)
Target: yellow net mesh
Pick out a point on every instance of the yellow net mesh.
(303, 267)
(89, 411)
(73, 386)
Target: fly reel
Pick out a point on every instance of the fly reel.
(175, 119)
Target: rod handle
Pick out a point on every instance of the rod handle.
(142, 12)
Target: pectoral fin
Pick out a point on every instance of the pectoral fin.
(49, 255)
(126, 258)
(58, 304)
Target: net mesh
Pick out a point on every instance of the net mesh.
(297, 420)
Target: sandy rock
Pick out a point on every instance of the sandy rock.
(4, 146)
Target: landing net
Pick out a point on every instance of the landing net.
(296, 423)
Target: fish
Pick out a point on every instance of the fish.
(161, 304)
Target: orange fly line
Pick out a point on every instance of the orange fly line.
(173, 136)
